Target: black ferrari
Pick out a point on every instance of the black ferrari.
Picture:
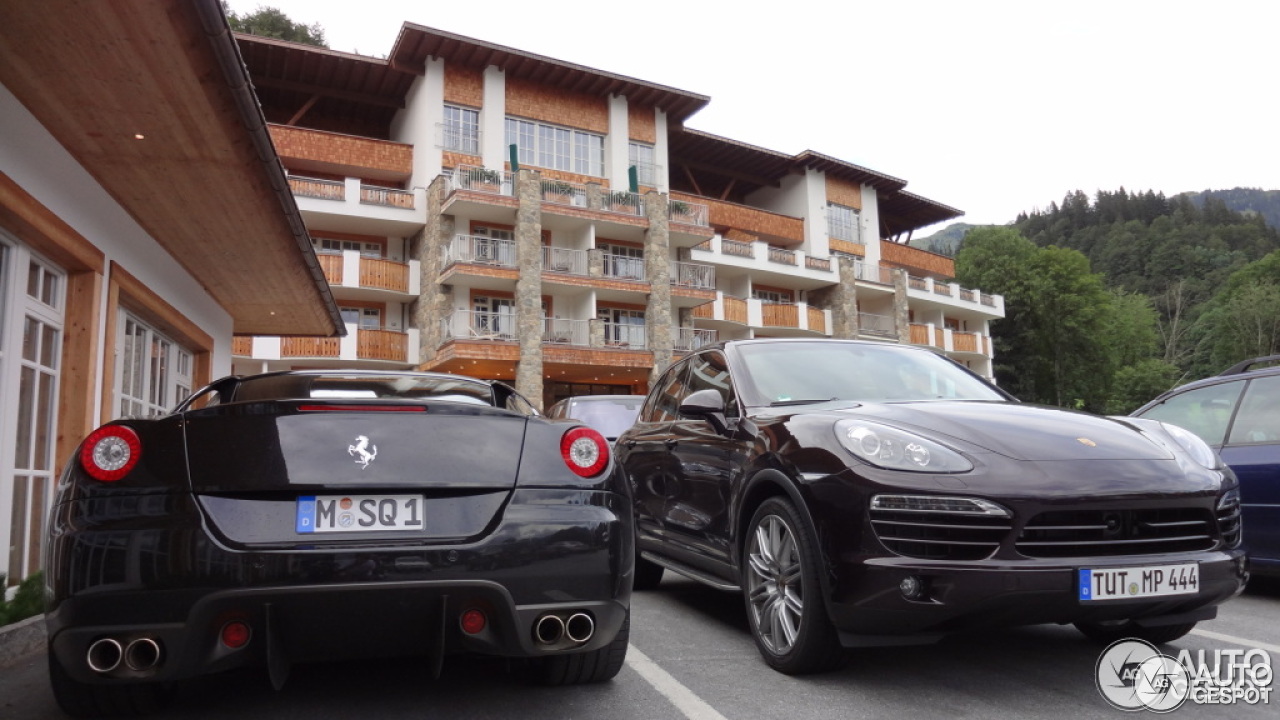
(861, 494)
(316, 515)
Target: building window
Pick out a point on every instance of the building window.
(556, 148)
(493, 317)
(623, 261)
(640, 156)
(32, 315)
(154, 372)
(364, 318)
(623, 328)
(334, 246)
(842, 223)
(771, 296)
(461, 130)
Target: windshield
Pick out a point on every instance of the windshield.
(794, 373)
(346, 385)
(609, 417)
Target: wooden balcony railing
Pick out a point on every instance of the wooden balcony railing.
(382, 345)
(780, 315)
(331, 264)
(735, 310)
(964, 342)
(316, 188)
(919, 334)
(384, 274)
(813, 263)
(390, 197)
(309, 347)
(242, 346)
(817, 320)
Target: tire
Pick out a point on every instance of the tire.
(783, 594)
(1107, 633)
(85, 700)
(648, 574)
(588, 667)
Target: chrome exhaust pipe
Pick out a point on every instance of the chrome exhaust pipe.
(548, 629)
(142, 654)
(104, 655)
(580, 627)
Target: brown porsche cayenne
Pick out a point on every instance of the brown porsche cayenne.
(862, 493)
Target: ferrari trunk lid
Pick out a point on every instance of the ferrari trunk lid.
(317, 446)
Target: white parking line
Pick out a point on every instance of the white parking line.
(1241, 642)
(689, 705)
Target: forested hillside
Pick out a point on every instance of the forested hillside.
(1118, 297)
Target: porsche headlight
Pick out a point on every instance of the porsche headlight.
(894, 449)
(1192, 445)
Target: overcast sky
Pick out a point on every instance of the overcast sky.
(993, 108)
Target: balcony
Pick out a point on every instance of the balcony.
(765, 264)
(348, 205)
(953, 296)
(623, 202)
(724, 309)
(370, 347)
(480, 250)
(784, 230)
(624, 335)
(693, 275)
(485, 326)
(571, 261)
(685, 212)
(560, 192)
(623, 267)
(776, 316)
(880, 326)
(339, 154)
(690, 339)
(373, 275)
(952, 341)
(471, 178)
(566, 332)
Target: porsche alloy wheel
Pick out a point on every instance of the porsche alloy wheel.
(784, 603)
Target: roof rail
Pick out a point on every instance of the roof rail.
(1244, 366)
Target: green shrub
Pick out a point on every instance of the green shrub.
(27, 602)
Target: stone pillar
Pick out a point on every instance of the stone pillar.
(657, 268)
(841, 299)
(901, 308)
(595, 196)
(529, 320)
(435, 301)
(595, 263)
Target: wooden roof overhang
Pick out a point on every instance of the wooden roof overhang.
(152, 99)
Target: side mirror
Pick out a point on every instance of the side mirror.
(708, 405)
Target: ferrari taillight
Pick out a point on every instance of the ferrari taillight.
(110, 452)
(585, 451)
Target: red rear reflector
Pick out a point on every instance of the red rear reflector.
(473, 621)
(235, 635)
(110, 452)
(585, 451)
(362, 408)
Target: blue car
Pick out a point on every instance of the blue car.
(1238, 413)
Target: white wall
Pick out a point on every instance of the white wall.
(417, 124)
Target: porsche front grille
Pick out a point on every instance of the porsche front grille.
(939, 535)
(1080, 533)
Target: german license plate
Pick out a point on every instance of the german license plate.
(1128, 583)
(358, 513)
